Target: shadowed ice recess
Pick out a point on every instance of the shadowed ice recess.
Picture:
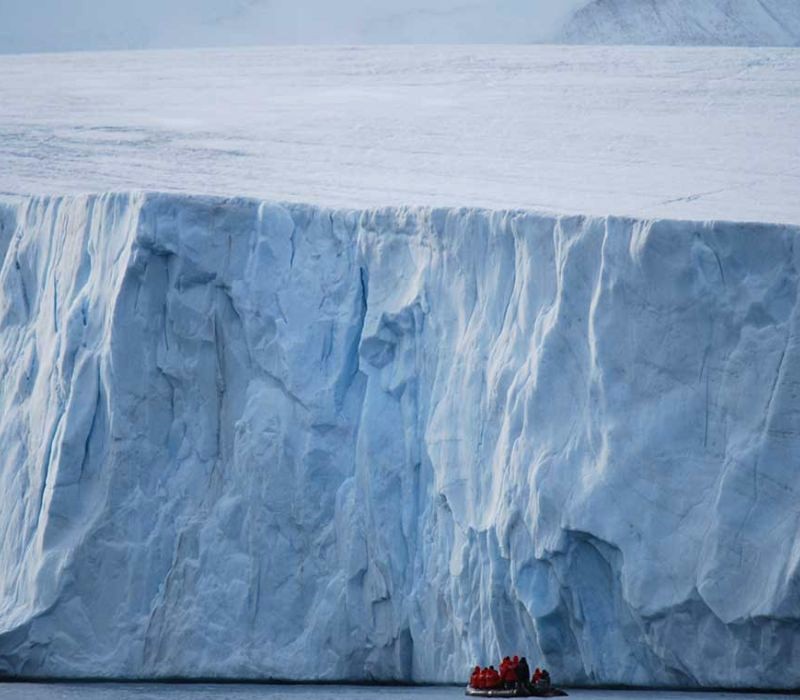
(235, 434)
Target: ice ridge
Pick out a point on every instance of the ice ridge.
(236, 433)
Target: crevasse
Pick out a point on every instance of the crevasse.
(397, 442)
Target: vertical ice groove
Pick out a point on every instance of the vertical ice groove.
(8, 227)
(405, 439)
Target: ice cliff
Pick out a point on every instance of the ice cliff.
(396, 442)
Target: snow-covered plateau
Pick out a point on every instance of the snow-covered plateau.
(331, 439)
(648, 132)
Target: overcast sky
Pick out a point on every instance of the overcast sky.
(52, 25)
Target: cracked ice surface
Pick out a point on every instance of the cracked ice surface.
(395, 441)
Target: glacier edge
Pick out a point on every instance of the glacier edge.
(402, 440)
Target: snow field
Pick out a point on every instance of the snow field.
(651, 133)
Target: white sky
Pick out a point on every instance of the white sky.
(53, 25)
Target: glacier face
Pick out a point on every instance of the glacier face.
(395, 442)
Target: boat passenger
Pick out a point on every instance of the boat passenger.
(475, 678)
(537, 676)
(504, 664)
(509, 676)
(493, 678)
(523, 671)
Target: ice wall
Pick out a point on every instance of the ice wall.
(394, 443)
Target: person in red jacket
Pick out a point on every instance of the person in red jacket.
(484, 679)
(504, 664)
(493, 678)
(537, 676)
(475, 677)
(509, 676)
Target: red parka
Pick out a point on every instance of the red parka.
(475, 678)
(510, 674)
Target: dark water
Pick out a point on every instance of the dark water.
(192, 691)
(158, 691)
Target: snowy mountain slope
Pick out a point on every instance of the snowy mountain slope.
(674, 22)
(396, 441)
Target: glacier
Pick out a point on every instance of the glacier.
(235, 433)
(647, 132)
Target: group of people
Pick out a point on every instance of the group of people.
(513, 673)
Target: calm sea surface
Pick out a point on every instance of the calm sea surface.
(129, 691)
